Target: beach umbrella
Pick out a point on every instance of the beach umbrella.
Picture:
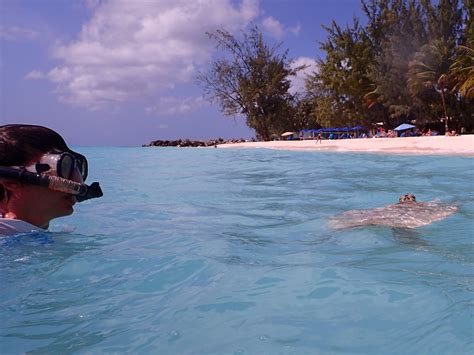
(404, 127)
(286, 134)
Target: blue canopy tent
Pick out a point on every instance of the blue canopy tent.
(332, 133)
(357, 129)
(404, 127)
(307, 133)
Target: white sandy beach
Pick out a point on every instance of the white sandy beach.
(437, 145)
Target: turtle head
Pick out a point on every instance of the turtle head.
(407, 198)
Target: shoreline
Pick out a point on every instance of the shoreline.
(435, 145)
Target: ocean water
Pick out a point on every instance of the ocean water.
(216, 251)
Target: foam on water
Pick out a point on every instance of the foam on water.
(229, 251)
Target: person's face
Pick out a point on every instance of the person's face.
(38, 205)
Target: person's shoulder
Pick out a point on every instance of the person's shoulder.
(10, 226)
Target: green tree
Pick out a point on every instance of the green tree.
(444, 20)
(440, 73)
(253, 79)
(396, 67)
(462, 70)
(339, 86)
(303, 109)
(396, 30)
(428, 73)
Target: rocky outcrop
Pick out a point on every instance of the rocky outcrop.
(191, 143)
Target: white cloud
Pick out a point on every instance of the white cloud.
(15, 33)
(132, 49)
(175, 105)
(277, 30)
(298, 81)
(35, 74)
(273, 27)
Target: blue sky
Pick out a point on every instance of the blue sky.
(122, 73)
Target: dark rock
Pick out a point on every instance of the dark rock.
(191, 143)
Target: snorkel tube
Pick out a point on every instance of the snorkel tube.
(81, 191)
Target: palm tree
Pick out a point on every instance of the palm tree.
(462, 70)
(430, 71)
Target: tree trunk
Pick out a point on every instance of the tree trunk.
(446, 128)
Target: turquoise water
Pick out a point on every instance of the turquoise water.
(211, 251)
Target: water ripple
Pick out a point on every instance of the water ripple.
(229, 251)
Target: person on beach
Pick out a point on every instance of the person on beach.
(41, 178)
(451, 134)
(319, 138)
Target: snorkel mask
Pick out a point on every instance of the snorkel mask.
(57, 172)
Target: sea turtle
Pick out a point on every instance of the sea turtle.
(408, 213)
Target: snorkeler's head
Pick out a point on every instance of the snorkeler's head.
(407, 198)
(44, 154)
(41, 178)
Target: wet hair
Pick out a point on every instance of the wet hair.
(407, 198)
(21, 143)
